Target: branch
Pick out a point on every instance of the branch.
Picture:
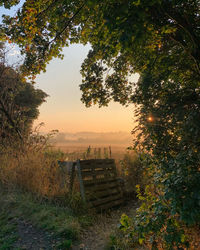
(48, 7)
(68, 23)
(186, 50)
(3, 109)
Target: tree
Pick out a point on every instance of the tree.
(160, 40)
(19, 102)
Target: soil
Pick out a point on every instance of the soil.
(32, 238)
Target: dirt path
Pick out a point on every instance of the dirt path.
(31, 238)
(94, 238)
(97, 236)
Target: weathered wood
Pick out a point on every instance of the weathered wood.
(94, 172)
(97, 163)
(107, 199)
(98, 167)
(100, 194)
(102, 186)
(98, 181)
(82, 190)
(109, 205)
(72, 176)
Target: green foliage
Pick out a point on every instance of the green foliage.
(133, 172)
(8, 3)
(152, 226)
(126, 36)
(19, 102)
(159, 40)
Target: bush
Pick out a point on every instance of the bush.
(132, 171)
(153, 227)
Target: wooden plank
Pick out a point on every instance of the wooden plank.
(96, 160)
(102, 186)
(99, 167)
(98, 181)
(100, 194)
(107, 199)
(106, 172)
(97, 163)
(72, 176)
(81, 181)
(109, 205)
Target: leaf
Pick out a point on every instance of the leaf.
(141, 240)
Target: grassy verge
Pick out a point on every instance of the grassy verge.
(63, 223)
(8, 234)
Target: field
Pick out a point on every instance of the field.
(117, 152)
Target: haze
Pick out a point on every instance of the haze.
(64, 110)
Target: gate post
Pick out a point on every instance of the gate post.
(82, 189)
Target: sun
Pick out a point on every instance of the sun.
(150, 118)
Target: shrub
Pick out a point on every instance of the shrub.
(153, 227)
(132, 171)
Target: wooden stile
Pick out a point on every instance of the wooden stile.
(98, 183)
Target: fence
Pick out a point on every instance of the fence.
(99, 185)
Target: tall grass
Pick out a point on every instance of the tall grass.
(33, 167)
(32, 171)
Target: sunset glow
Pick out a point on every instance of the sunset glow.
(150, 118)
(63, 109)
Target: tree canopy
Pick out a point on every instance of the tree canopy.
(160, 40)
(126, 36)
(19, 102)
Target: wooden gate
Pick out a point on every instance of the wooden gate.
(99, 184)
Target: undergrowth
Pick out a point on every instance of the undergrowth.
(63, 223)
(8, 234)
(34, 187)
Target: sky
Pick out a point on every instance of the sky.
(63, 109)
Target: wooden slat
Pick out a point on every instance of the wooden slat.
(96, 160)
(98, 163)
(98, 181)
(109, 205)
(102, 186)
(100, 194)
(107, 199)
(82, 188)
(97, 167)
(98, 172)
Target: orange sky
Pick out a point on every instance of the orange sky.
(64, 110)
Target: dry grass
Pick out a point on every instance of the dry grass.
(33, 171)
(33, 166)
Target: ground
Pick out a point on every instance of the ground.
(30, 237)
(23, 234)
(98, 235)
